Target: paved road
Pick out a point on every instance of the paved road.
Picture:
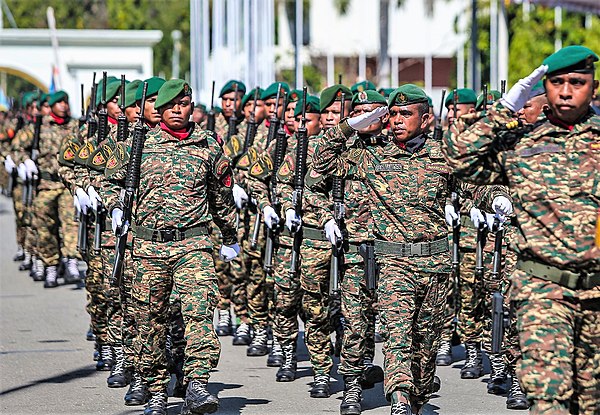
(46, 364)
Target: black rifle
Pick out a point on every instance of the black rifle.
(367, 251)
(31, 184)
(482, 231)
(298, 194)
(82, 235)
(91, 120)
(232, 123)
(102, 114)
(453, 187)
(273, 231)
(12, 180)
(122, 128)
(252, 126)
(210, 117)
(100, 218)
(132, 183)
(502, 87)
(437, 130)
(500, 316)
(485, 98)
(274, 120)
(83, 117)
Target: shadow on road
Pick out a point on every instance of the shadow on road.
(82, 372)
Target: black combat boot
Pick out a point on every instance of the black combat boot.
(444, 354)
(157, 404)
(287, 371)
(401, 408)
(105, 360)
(258, 347)
(473, 367)
(516, 398)
(242, 335)
(72, 275)
(223, 327)
(275, 358)
(179, 390)
(352, 396)
(497, 381)
(51, 275)
(320, 387)
(436, 384)
(119, 378)
(198, 400)
(137, 393)
(372, 374)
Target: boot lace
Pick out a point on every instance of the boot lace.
(136, 382)
(158, 400)
(321, 379)
(276, 349)
(353, 391)
(118, 365)
(515, 388)
(242, 330)
(445, 348)
(498, 368)
(288, 357)
(50, 273)
(224, 318)
(260, 337)
(401, 409)
(72, 268)
(472, 356)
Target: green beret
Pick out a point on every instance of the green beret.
(295, 95)
(312, 106)
(334, 93)
(385, 91)
(170, 90)
(109, 80)
(429, 101)
(112, 89)
(218, 109)
(465, 96)
(492, 97)
(575, 58)
(271, 91)
(57, 97)
(200, 106)
(363, 86)
(537, 90)
(368, 97)
(43, 98)
(29, 98)
(250, 96)
(154, 85)
(407, 94)
(130, 91)
(230, 87)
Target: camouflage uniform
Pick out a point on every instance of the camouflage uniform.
(20, 150)
(195, 189)
(552, 173)
(406, 194)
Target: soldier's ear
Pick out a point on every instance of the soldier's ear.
(594, 88)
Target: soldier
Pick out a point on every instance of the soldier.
(230, 105)
(552, 174)
(535, 105)
(290, 119)
(172, 247)
(362, 86)
(199, 114)
(406, 188)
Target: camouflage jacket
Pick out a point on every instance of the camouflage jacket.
(552, 174)
(184, 184)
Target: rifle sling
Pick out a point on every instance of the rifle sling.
(581, 280)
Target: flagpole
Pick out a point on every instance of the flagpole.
(54, 40)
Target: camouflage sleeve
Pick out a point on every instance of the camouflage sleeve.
(220, 197)
(285, 180)
(259, 176)
(318, 196)
(328, 157)
(485, 195)
(21, 145)
(474, 153)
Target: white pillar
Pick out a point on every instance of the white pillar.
(428, 75)
(362, 66)
(558, 28)
(195, 48)
(299, 37)
(207, 76)
(394, 69)
(330, 68)
(503, 55)
(494, 44)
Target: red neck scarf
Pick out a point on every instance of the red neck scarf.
(57, 119)
(558, 122)
(179, 134)
(111, 120)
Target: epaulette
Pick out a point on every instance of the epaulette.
(262, 167)
(234, 147)
(67, 154)
(313, 178)
(247, 159)
(98, 159)
(118, 159)
(286, 170)
(222, 171)
(84, 153)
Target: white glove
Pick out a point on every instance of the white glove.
(477, 217)
(518, 95)
(22, 171)
(94, 197)
(239, 196)
(292, 221)
(228, 252)
(490, 218)
(117, 219)
(502, 205)
(332, 232)
(9, 164)
(77, 205)
(84, 199)
(31, 167)
(364, 120)
(451, 214)
(270, 217)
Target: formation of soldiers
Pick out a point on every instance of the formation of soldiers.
(353, 211)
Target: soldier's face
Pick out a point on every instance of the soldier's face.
(151, 115)
(290, 120)
(456, 111)
(112, 108)
(377, 126)
(330, 116)
(569, 95)
(532, 109)
(313, 124)
(176, 114)
(45, 110)
(198, 115)
(61, 109)
(132, 113)
(228, 101)
(270, 105)
(259, 114)
(406, 122)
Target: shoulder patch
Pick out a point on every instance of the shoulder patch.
(287, 167)
(118, 158)
(247, 159)
(84, 153)
(261, 168)
(68, 153)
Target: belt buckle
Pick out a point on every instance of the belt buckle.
(416, 249)
(168, 235)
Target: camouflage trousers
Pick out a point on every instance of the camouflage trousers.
(411, 306)
(128, 325)
(559, 335)
(222, 269)
(56, 228)
(96, 296)
(359, 317)
(192, 275)
(259, 288)
(307, 294)
(19, 214)
(114, 312)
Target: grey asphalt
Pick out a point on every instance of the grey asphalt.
(46, 363)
